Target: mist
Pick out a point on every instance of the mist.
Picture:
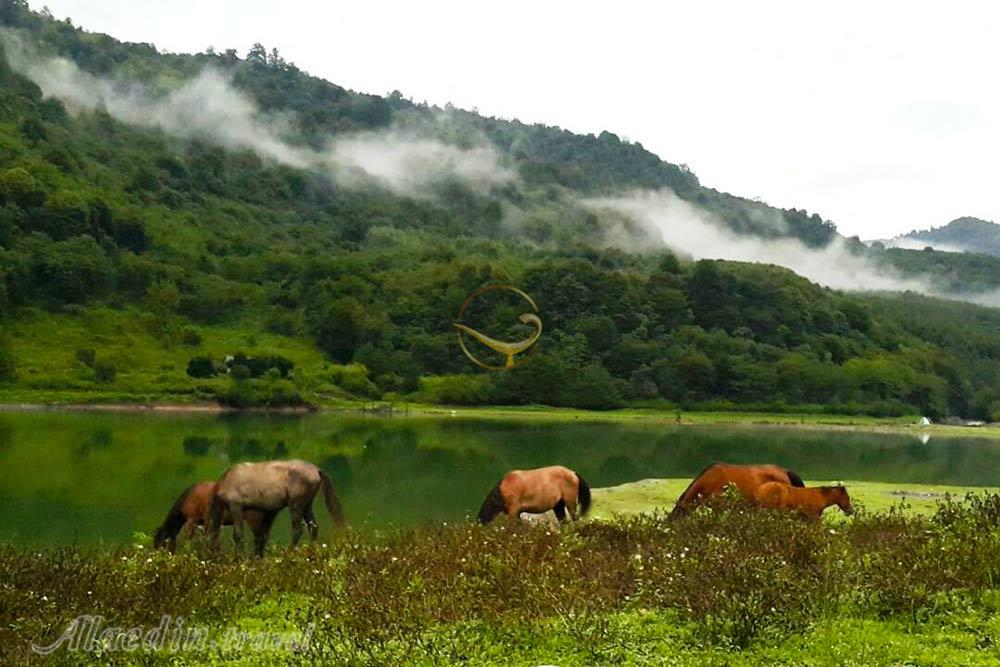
(690, 230)
(210, 108)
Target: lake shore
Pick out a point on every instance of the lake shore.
(810, 421)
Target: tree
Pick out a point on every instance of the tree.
(257, 55)
(8, 369)
(201, 367)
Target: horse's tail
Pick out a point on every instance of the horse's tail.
(583, 495)
(332, 502)
(492, 506)
(690, 493)
(175, 519)
(794, 478)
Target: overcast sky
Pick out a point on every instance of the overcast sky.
(882, 117)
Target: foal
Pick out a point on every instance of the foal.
(190, 510)
(810, 501)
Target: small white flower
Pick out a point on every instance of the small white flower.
(149, 560)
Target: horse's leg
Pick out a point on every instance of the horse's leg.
(296, 513)
(560, 509)
(236, 510)
(514, 512)
(261, 531)
(571, 500)
(189, 527)
(311, 523)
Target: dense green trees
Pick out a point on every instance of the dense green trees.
(97, 214)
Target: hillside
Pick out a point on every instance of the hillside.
(162, 212)
(971, 235)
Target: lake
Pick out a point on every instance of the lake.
(91, 478)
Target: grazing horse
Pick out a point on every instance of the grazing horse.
(190, 510)
(540, 490)
(747, 478)
(269, 487)
(810, 501)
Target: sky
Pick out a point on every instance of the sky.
(882, 117)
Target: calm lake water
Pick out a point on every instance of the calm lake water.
(93, 478)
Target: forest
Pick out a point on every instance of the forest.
(141, 263)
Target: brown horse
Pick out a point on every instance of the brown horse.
(269, 487)
(540, 490)
(747, 478)
(810, 501)
(190, 510)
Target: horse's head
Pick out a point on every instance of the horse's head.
(162, 538)
(840, 497)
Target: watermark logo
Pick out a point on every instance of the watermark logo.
(90, 634)
(508, 349)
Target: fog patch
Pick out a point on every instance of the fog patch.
(210, 108)
(690, 230)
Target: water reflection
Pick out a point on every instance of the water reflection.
(109, 475)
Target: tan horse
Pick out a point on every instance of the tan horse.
(269, 487)
(190, 510)
(746, 478)
(540, 490)
(810, 501)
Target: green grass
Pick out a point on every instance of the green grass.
(723, 586)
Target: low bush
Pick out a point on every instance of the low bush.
(733, 577)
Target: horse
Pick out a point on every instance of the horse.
(747, 478)
(552, 488)
(810, 501)
(190, 510)
(269, 487)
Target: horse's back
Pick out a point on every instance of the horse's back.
(269, 484)
(537, 489)
(773, 494)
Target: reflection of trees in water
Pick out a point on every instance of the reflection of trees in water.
(197, 445)
(99, 439)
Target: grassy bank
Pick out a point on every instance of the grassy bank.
(727, 585)
(651, 495)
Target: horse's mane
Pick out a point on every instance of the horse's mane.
(175, 517)
(492, 505)
(678, 506)
(794, 478)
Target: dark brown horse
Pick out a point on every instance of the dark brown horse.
(269, 487)
(810, 501)
(190, 511)
(746, 478)
(553, 488)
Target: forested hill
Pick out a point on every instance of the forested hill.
(967, 234)
(318, 110)
(162, 213)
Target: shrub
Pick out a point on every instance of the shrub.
(86, 356)
(105, 371)
(8, 369)
(354, 378)
(191, 337)
(201, 367)
(456, 389)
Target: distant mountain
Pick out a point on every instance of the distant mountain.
(966, 234)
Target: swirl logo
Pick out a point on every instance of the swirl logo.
(508, 349)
